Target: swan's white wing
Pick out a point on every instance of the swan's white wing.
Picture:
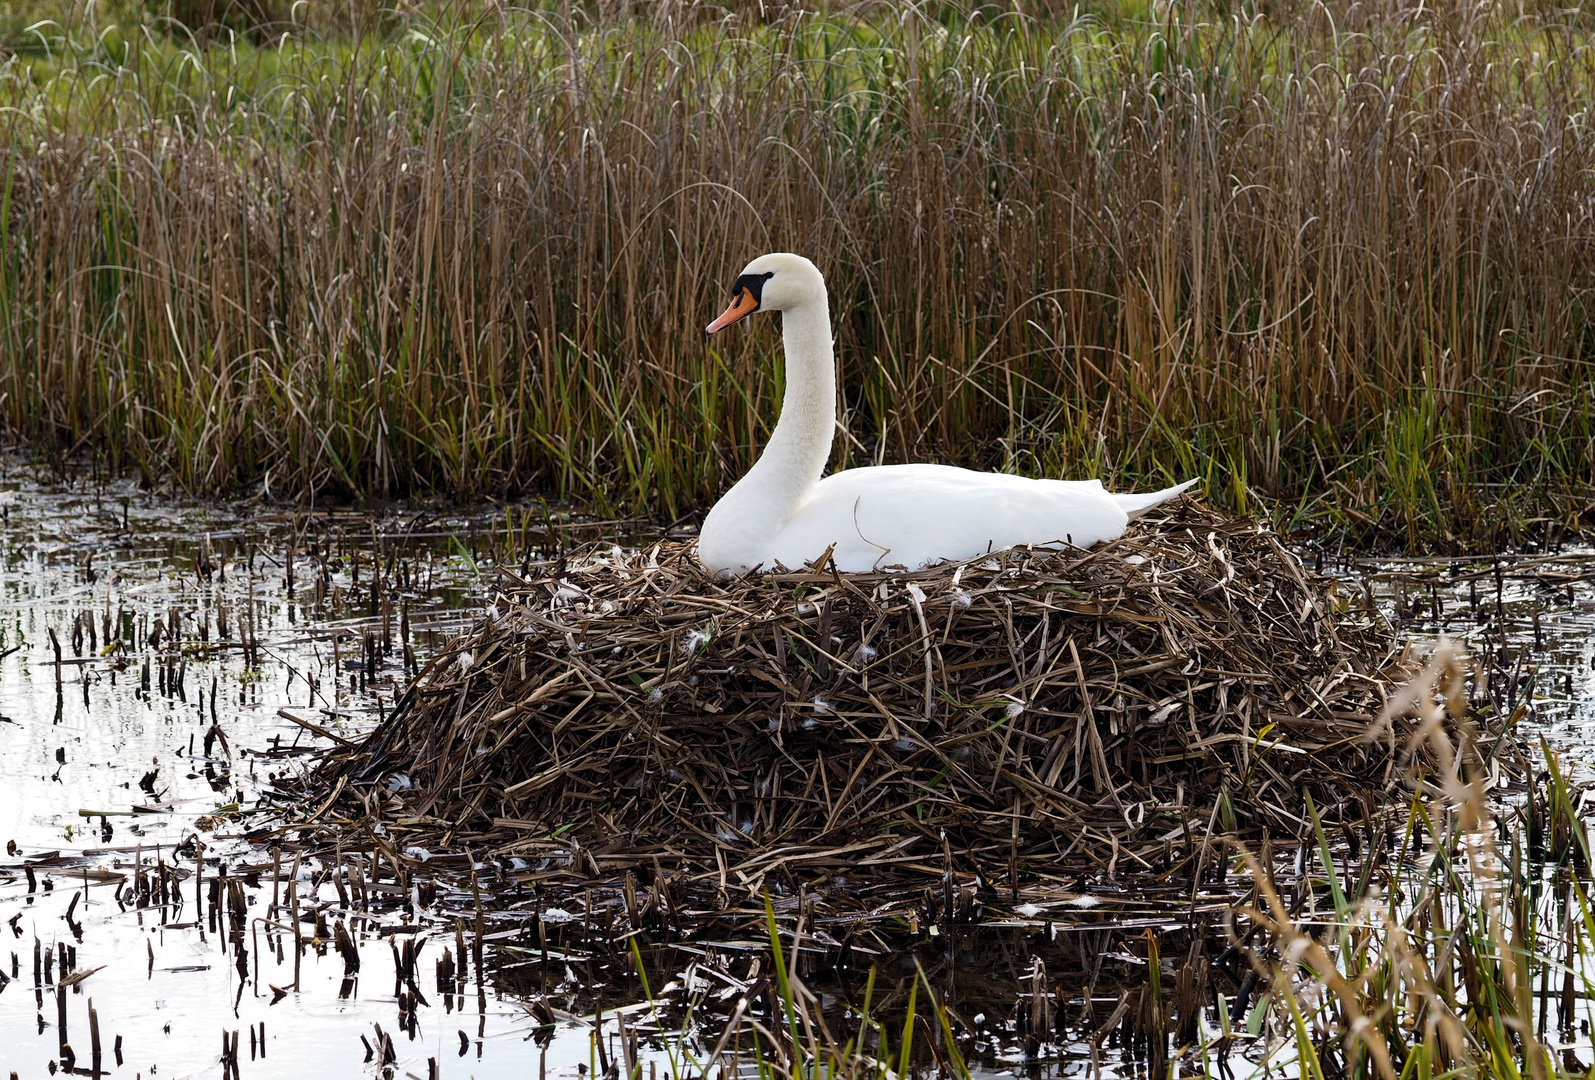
(913, 515)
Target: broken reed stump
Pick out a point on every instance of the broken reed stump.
(1029, 711)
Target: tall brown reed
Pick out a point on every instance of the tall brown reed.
(1444, 956)
(1335, 253)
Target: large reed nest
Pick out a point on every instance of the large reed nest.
(1026, 712)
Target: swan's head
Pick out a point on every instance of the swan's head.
(776, 282)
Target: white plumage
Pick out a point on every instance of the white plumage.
(782, 513)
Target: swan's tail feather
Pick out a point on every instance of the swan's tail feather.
(1136, 505)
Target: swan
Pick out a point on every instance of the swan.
(781, 513)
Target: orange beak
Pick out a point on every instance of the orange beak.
(742, 305)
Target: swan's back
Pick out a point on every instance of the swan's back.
(913, 515)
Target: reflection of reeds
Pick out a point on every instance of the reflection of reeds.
(793, 1040)
(1436, 970)
(1337, 249)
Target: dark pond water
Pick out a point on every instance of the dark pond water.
(186, 631)
(196, 649)
(1530, 615)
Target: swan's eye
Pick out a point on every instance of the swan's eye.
(753, 283)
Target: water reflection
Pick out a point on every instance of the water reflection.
(162, 660)
(1529, 618)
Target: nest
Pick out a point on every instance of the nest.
(1028, 711)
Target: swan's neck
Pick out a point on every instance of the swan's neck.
(795, 456)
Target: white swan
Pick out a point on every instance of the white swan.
(782, 513)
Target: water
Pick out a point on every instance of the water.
(104, 764)
(1531, 617)
(180, 620)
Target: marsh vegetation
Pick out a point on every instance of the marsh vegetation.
(1332, 258)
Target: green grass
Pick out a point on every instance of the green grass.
(794, 1041)
(1332, 260)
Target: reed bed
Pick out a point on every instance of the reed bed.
(1463, 948)
(1333, 258)
(1027, 713)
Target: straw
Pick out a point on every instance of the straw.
(1022, 712)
